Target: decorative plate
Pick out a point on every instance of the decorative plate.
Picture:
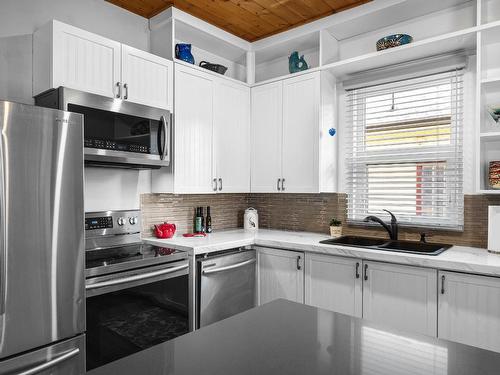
(394, 40)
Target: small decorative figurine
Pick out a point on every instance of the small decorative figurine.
(494, 111)
(296, 64)
(183, 52)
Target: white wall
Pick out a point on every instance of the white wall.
(24, 16)
(115, 189)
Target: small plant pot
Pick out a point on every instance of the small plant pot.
(336, 231)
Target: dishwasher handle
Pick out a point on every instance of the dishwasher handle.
(227, 268)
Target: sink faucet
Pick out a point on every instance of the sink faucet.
(392, 230)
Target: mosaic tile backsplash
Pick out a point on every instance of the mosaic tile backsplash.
(301, 212)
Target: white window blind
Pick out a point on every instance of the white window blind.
(404, 150)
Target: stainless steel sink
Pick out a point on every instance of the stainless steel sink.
(412, 247)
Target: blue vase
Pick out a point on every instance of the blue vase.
(183, 52)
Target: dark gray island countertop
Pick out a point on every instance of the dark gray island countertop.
(287, 338)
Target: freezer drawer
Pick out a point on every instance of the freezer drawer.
(64, 358)
(227, 286)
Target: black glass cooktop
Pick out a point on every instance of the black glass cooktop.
(114, 259)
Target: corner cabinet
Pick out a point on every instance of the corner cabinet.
(64, 55)
(469, 309)
(286, 135)
(212, 133)
(280, 275)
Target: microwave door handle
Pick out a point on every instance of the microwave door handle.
(164, 155)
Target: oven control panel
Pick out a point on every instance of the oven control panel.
(104, 222)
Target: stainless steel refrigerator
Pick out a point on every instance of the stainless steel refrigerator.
(42, 301)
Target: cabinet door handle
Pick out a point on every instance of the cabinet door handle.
(366, 272)
(125, 88)
(357, 270)
(214, 184)
(282, 184)
(278, 184)
(299, 267)
(442, 284)
(220, 184)
(119, 94)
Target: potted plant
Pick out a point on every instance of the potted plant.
(335, 228)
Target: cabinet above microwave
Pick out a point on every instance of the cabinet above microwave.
(64, 55)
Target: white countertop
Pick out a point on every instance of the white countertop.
(458, 258)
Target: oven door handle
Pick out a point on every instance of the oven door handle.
(129, 279)
(165, 154)
(227, 268)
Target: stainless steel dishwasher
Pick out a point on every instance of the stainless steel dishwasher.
(226, 285)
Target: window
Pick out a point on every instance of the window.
(405, 150)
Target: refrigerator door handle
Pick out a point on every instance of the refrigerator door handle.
(51, 363)
(3, 232)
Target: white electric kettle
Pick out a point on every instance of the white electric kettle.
(251, 219)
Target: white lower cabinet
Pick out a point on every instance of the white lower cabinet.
(469, 309)
(280, 275)
(401, 297)
(334, 283)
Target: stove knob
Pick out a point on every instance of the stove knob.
(133, 220)
(120, 221)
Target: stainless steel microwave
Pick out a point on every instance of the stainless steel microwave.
(117, 133)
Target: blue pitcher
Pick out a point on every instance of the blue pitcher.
(183, 52)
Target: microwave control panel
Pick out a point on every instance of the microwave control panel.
(112, 145)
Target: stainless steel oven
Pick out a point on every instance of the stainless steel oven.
(117, 133)
(136, 294)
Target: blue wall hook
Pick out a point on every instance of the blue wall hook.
(332, 131)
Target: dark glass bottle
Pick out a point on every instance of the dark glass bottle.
(208, 221)
(197, 221)
(202, 224)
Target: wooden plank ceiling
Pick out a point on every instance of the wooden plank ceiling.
(248, 19)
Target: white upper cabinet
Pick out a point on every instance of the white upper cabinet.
(267, 120)
(469, 309)
(193, 155)
(232, 136)
(285, 135)
(64, 55)
(212, 133)
(301, 96)
(400, 297)
(334, 283)
(280, 275)
(147, 79)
